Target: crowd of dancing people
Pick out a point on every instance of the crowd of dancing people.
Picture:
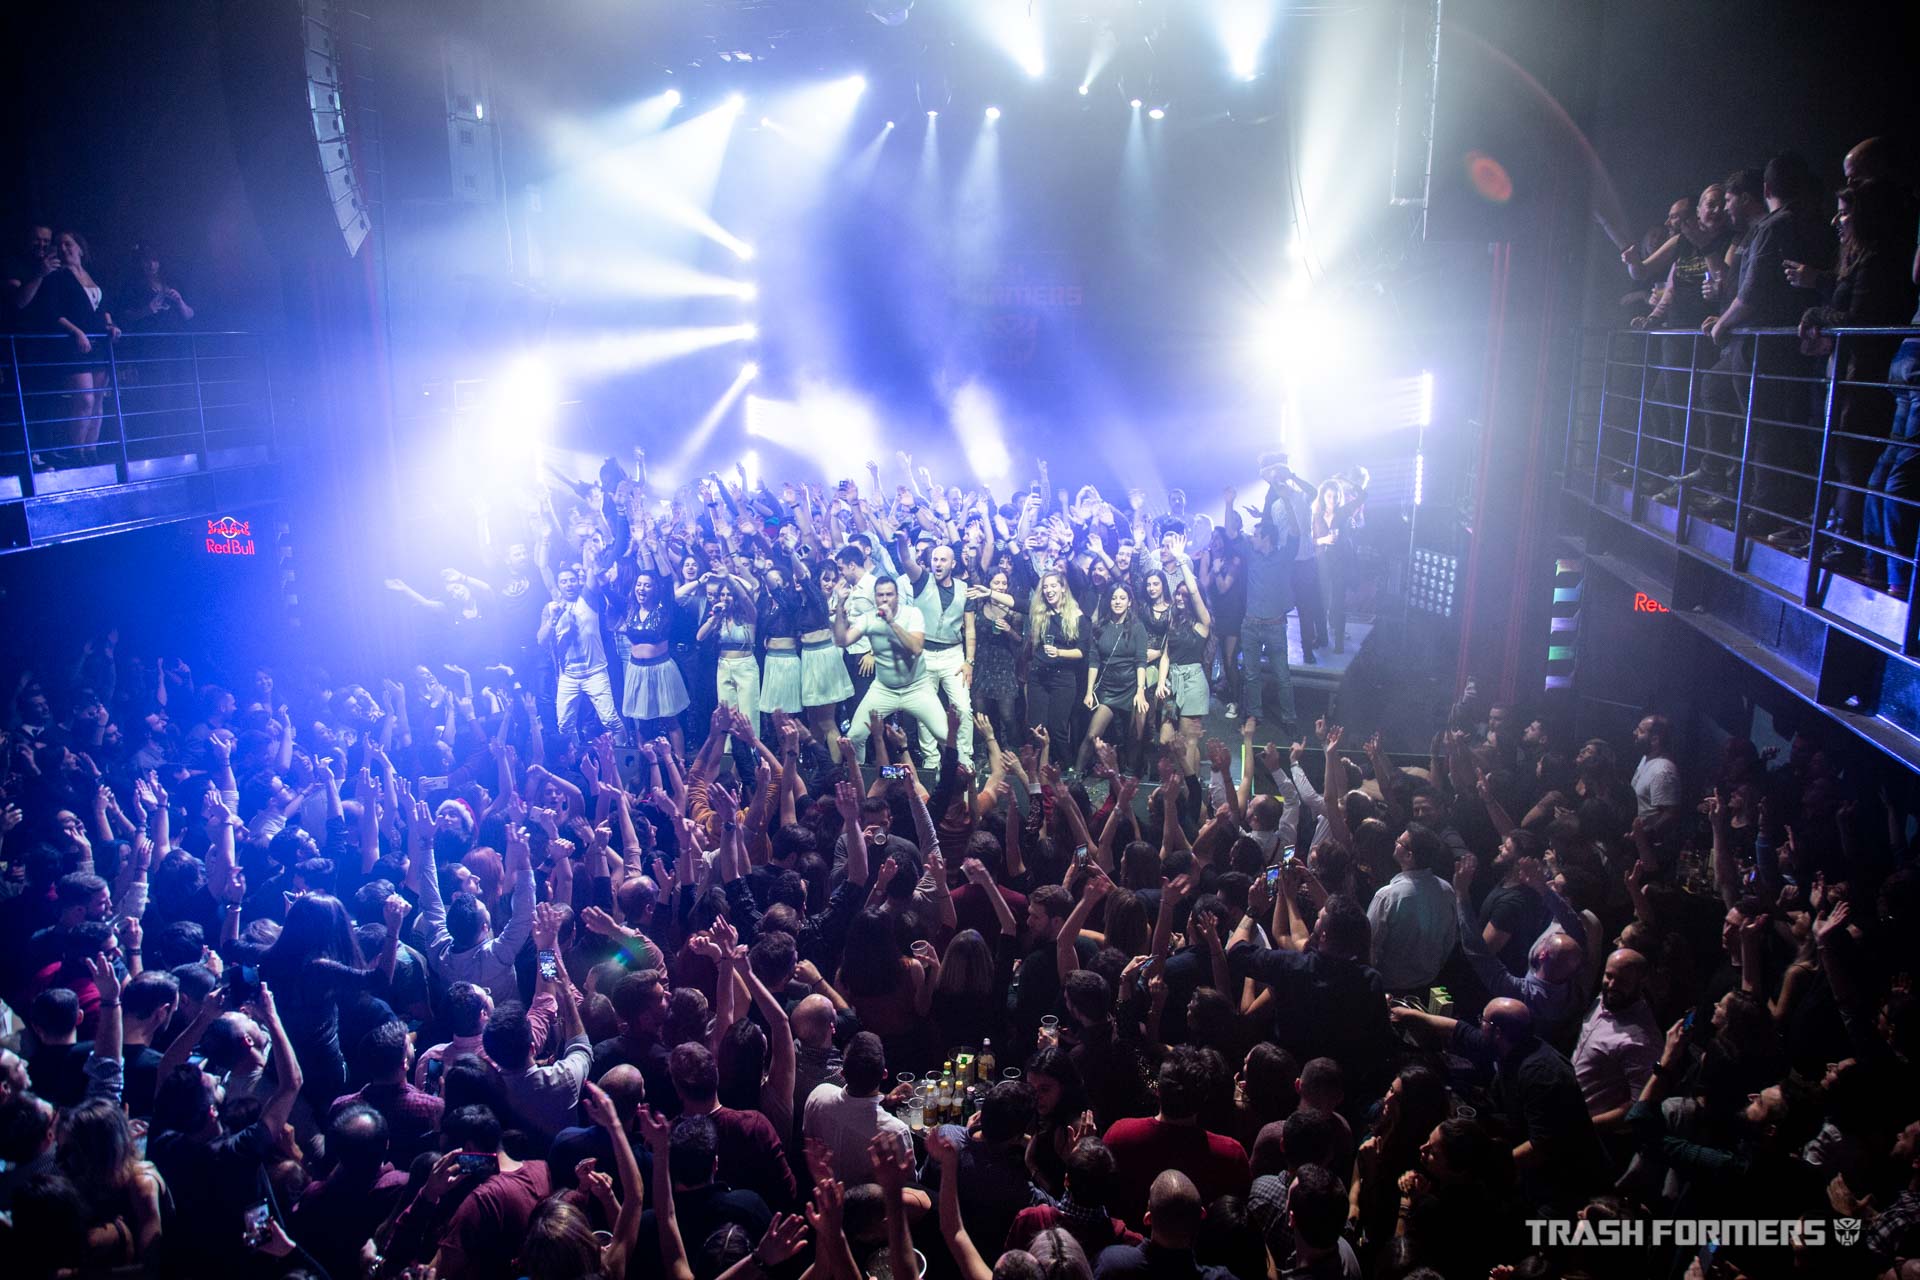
(886, 910)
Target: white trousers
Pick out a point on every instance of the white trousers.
(738, 682)
(921, 700)
(944, 666)
(595, 686)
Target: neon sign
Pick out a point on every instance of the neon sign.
(1644, 603)
(229, 537)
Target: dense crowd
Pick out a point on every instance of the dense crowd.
(313, 977)
(1768, 249)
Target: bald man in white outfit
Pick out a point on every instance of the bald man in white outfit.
(902, 680)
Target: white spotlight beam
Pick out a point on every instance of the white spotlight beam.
(673, 174)
(650, 278)
(616, 352)
(1014, 26)
(710, 421)
(1244, 26)
(861, 168)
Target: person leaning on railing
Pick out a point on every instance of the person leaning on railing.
(1875, 288)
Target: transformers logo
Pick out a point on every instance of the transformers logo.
(1846, 1230)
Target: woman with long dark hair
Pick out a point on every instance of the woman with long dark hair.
(312, 967)
(654, 692)
(891, 989)
(1415, 1102)
(1183, 675)
(1875, 288)
(824, 683)
(1116, 670)
(95, 1149)
(1060, 1101)
(997, 626)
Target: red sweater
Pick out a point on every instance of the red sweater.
(1143, 1149)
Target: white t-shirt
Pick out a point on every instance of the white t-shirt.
(847, 1125)
(894, 666)
(1656, 784)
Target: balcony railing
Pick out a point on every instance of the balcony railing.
(144, 407)
(1769, 457)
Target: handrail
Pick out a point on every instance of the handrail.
(1775, 462)
(143, 405)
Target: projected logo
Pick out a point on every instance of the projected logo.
(229, 537)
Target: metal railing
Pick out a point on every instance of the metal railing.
(139, 407)
(1792, 463)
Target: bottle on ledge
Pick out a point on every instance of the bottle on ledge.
(985, 1062)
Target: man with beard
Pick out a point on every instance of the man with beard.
(570, 626)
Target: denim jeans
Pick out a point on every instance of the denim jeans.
(1266, 639)
(1897, 473)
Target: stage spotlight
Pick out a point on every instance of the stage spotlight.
(933, 115)
(858, 84)
(1158, 113)
(1012, 25)
(749, 371)
(1425, 411)
(1244, 27)
(743, 251)
(889, 124)
(672, 97)
(1084, 89)
(749, 292)
(736, 103)
(1136, 104)
(993, 113)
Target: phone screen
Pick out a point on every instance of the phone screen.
(1273, 877)
(549, 966)
(476, 1162)
(893, 772)
(254, 1226)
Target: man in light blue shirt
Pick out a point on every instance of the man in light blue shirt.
(1414, 917)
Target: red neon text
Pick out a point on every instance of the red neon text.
(1644, 603)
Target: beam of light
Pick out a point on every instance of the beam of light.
(703, 430)
(1424, 415)
(976, 205)
(1014, 26)
(860, 169)
(817, 117)
(672, 175)
(1105, 41)
(646, 277)
(930, 158)
(1243, 27)
(983, 438)
(828, 425)
(576, 142)
(616, 352)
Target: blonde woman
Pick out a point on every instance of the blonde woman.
(1057, 661)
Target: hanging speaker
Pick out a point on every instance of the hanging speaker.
(288, 119)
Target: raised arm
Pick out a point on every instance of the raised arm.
(286, 1067)
(1066, 954)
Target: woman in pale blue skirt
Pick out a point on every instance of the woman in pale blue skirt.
(655, 691)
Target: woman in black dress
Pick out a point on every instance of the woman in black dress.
(1116, 670)
(1056, 634)
(69, 301)
(997, 627)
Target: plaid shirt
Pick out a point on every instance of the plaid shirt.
(1891, 1236)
